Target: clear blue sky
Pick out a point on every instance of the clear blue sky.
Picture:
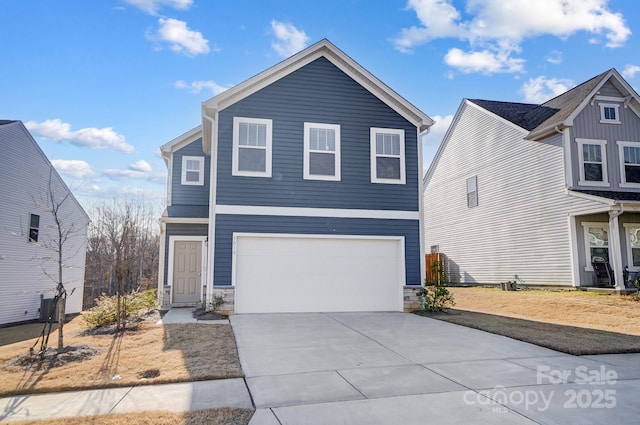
(102, 84)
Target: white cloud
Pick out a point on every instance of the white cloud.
(540, 89)
(181, 38)
(630, 71)
(94, 138)
(555, 57)
(289, 39)
(198, 86)
(497, 28)
(483, 61)
(73, 168)
(141, 165)
(153, 6)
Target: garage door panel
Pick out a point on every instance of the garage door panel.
(305, 274)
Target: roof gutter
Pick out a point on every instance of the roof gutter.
(556, 128)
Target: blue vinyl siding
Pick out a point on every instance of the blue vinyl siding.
(587, 125)
(319, 93)
(226, 225)
(185, 194)
(180, 229)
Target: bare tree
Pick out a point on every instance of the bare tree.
(54, 202)
(122, 253)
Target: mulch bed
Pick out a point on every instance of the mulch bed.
(567, 339)
(201, 314)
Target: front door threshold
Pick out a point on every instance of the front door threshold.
(184, 305)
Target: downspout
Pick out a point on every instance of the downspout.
(615, 246)
(421, 233)
(212, 208)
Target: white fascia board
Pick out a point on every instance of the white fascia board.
(598, 199)
(316, 212)
(323, 48)
(180, 142)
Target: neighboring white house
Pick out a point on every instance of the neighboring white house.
(535, 193)
(28, 231)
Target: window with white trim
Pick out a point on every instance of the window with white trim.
(472, 191)
(321, 151)
(609, 113)
(387, 156)
(629, 154)
(596, 239)
(251, 147)
(192, 170)
(34, 227)
(632, 231)
(592, 156)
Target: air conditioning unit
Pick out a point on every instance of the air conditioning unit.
(48, 310)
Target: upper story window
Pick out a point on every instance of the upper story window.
(192, 170)
(251, 147)
(609, 113)
(629, 153)
(387, 156)
(321, 151)
(34, 227)
(472, 191)
(592, 157)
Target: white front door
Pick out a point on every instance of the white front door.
(187, 271)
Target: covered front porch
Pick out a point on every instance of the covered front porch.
(606, 242)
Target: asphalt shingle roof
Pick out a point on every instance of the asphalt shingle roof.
(609, 194)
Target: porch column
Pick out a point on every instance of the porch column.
(615, 251)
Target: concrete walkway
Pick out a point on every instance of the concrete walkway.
(378, 368)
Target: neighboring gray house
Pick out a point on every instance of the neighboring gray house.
(301, 191)
(28, 231)
(535, 192)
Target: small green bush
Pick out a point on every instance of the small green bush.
(215, 304)
(131, 305)
(435, 296)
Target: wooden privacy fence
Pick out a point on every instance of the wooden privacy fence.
(434, 269)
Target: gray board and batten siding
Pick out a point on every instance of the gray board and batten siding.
(587, 125)
(226, 225)
(180, 229)
(320, 93)
(189, 194)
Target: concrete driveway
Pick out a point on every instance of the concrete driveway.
(388, 368)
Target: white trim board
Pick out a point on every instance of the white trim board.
(316, 212)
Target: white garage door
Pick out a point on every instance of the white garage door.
(303, 273)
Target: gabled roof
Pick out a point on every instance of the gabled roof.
(3, 122)
(184, 139)
(323, 48)
(559, 112)
(525, 115)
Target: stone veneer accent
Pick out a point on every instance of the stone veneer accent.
(412, 300)
(228, 294)
(165, 297)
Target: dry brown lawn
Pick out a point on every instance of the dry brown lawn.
(574, 322)
(221, 416)
(168, 353)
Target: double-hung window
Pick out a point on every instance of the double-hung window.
(251, 147)
(34, 227)
(472, 191)
(192, 170)
(629, 153)
(596, 238)
(321, 151)
(387, 156)
(592, 156)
